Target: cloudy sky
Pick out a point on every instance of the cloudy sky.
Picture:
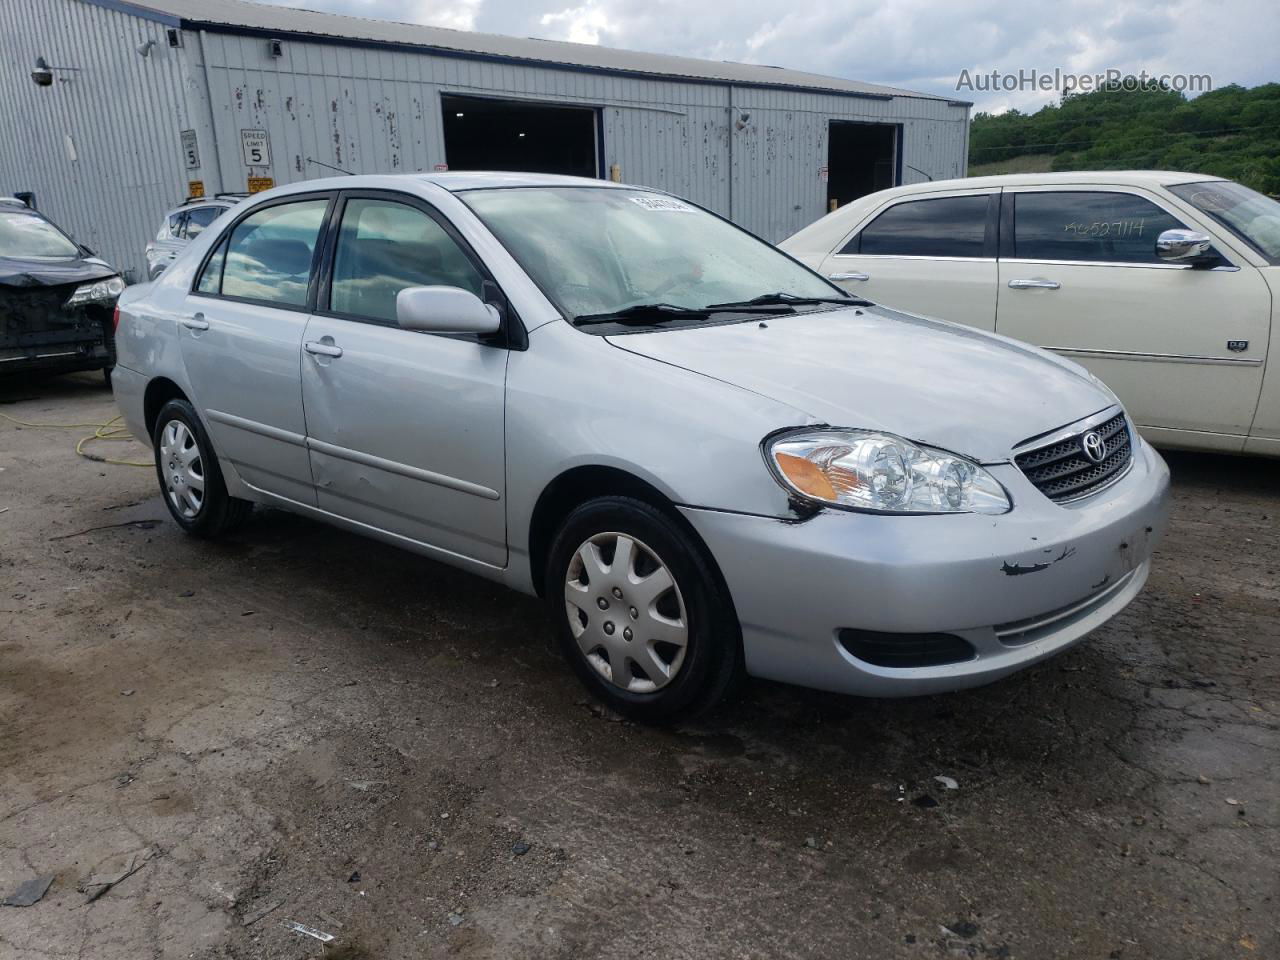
(917, 44)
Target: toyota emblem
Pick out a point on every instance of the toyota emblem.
(1094, 447)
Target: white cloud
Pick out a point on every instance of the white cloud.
(582, 24)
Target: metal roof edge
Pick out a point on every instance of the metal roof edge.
(137, 10)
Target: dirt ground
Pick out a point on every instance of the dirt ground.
(350, 737)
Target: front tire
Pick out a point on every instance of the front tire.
(640, 612)
(190, 480)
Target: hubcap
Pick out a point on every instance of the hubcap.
(639, 642)
(182, 466)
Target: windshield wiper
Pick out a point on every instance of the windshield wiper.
(642, 313)
(787, 300)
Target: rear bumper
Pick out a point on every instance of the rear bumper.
(1015, 588)
(129, 388)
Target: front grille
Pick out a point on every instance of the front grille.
(904, 650)
(1062, 471)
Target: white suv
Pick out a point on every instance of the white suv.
(1165, 285)
(183, 224)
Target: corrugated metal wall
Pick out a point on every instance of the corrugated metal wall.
(753, 154)
(100, 147)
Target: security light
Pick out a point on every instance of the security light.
(144, 48)
(42, 74)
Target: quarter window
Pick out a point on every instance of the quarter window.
(210, 281)
(384, 247)
(942, 227)
(1100, 226)
(270, 252)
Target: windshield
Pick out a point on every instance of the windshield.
(26, 236)
(600, 251)
(1252, 216)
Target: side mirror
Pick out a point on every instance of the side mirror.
(445, 310)
(1184, 246)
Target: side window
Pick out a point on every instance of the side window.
(1087, 225)
(943, 227)
(383, 247)
(210, 281)
(270, 252)
(199, 218)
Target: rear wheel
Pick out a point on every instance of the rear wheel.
(189, 477)
(640, 612)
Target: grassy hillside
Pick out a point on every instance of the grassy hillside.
(1231, 132)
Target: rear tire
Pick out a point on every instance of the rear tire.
(640, 613)
(190, 481)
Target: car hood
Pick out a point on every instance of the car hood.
(20, 272)
(936, 383)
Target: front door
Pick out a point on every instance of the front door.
(405, 428)
(241, 335)
(1182, 347)
(933, 256)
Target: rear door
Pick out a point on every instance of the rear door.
(406, 429)
(241, 334)
(933, 256)
(1181, 346)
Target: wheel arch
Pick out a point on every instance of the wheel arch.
(579, 484)
(160, 390)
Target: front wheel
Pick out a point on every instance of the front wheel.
(189, 477)
(640, 612)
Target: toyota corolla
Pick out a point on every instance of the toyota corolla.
(708, 460)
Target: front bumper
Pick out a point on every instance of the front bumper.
(1018, 588)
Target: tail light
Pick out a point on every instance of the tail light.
(115, 319)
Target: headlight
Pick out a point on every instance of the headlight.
(100, 291)
(866, 470)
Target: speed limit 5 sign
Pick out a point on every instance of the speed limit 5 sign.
(256, 148)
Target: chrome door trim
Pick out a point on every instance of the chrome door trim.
(910, 256)
(402, 469)
(848, 276)
(1158, 357)
(253, 426)
(1034, 283)
(1223, 268)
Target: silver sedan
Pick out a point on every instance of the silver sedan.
(706, 458)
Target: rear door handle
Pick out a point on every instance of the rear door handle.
(1035, 283)
(849, 276)
(195, 322)
(322, 349)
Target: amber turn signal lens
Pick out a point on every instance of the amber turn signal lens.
(805, 476)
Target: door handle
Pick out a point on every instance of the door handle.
(195, 322)
(1035, 283)
(849, 276)
(322, 349)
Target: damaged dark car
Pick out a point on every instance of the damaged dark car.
(57, 300)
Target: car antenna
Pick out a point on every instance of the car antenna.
(329, 166)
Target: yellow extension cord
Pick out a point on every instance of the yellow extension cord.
(111, 430)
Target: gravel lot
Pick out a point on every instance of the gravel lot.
(379, 747)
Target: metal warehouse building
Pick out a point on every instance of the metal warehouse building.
(149, 103)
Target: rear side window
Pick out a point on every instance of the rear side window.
(199, 218)
(270, 252)
(1101, 226)
(383, 247)
(172, 226)
(942, 227)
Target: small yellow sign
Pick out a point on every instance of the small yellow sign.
(258, 184)
(195, 188)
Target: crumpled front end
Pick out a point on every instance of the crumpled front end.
(39, 331)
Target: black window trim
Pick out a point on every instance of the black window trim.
(1008, 220)
(512, 334)
(225, 238)
(989, 235)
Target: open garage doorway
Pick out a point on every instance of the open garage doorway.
(485, 134)
(861, 158)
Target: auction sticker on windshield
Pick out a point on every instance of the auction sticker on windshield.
(668, 204)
